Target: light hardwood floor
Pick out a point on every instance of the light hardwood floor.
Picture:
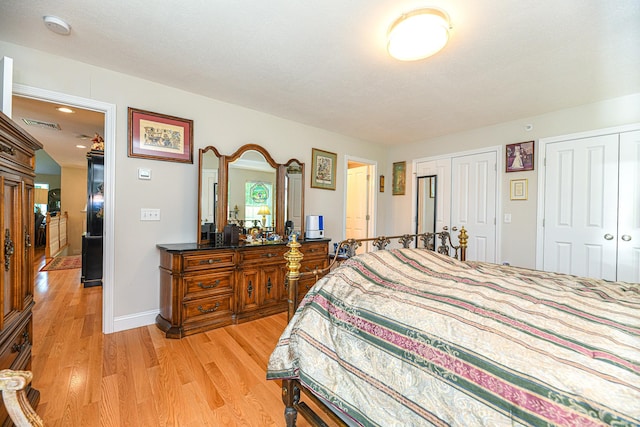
(138, 377)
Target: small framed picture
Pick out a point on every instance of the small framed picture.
(323, 169)
(160, 137)
(519, 189)
(399, 178)
(519, 157)
(382, 183)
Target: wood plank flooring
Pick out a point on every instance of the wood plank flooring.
(140, 378)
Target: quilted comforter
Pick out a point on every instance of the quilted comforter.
(409, 337)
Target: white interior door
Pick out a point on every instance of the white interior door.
(629, 208)
(357, 203)
(580, 207)
(473, 202)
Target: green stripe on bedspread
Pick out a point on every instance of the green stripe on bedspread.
(408, 337)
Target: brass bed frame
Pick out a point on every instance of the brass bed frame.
(291, 389)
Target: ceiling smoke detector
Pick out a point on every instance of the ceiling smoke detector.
(57, 25)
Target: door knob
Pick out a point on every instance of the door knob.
(608, 236)
(626, 237)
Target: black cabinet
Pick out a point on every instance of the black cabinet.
(92, 238)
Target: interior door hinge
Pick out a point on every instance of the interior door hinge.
(545, 161)
(543, 222)
(368, 217)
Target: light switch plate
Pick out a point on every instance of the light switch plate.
(507, 218)
(149, 214)
(144, 173)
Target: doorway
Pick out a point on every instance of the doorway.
(360, 200)
(109, 111)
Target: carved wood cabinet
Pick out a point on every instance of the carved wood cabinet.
(17, 163)
(202, 288)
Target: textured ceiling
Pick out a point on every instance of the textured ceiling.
(324, 63)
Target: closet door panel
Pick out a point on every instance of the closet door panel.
(629, 208)
(473, 203)
(580, 207)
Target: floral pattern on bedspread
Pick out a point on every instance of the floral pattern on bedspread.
(411, 337)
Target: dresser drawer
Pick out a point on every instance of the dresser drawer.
(204, 284)
(315, 250)
(208, 308)
(212, 259)
(263, 255)
(19, 342)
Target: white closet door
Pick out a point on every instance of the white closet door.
(629, 208)
(473, 203)
(581, 198)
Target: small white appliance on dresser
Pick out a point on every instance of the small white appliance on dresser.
(314, 226)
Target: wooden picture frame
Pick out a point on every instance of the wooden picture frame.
(160, 137)
(323, 169)
(519, 157)
(399, 178)
(519, 189)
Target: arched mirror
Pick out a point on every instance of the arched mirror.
(426, 204)
(294, 197)
(208, 216)
(252, 189)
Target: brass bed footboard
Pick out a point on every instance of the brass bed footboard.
(292, 389)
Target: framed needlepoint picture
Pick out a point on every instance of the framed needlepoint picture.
(160, 137)
(323, 169)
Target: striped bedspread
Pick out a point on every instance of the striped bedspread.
(409, 337)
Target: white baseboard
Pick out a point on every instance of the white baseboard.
(137, 320)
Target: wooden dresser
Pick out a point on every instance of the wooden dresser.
(204, 287)
(17, 225)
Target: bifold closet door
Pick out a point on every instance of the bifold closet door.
(629, 208)
(580, 207)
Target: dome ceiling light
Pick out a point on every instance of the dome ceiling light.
(418, 34)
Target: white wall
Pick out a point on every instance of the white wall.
(518, 239)
(173, 187)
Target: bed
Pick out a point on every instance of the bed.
(414, 337)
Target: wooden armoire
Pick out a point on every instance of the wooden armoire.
(17, 164)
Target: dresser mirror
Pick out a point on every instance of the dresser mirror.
(294, 197)
(252, 187)
(208, 215)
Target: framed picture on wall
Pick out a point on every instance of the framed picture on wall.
(519, 157)
(323, 169)
(519, 189)
(160, 137)
(399, 178)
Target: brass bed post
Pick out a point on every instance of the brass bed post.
(463, 237)
(293, 257)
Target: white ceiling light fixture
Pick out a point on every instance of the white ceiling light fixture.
(418, 34)
(57, 25)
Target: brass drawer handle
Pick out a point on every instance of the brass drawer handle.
(268, 255)
(214, 285)
(8, 249)
(17, 348)
(209, 261)
(7, 149)
(209, 310)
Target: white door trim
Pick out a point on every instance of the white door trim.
(374, 193)
(109, 111)
(542, 155)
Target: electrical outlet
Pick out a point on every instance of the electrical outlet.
(149, 214)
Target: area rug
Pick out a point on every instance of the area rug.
(63, 263)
